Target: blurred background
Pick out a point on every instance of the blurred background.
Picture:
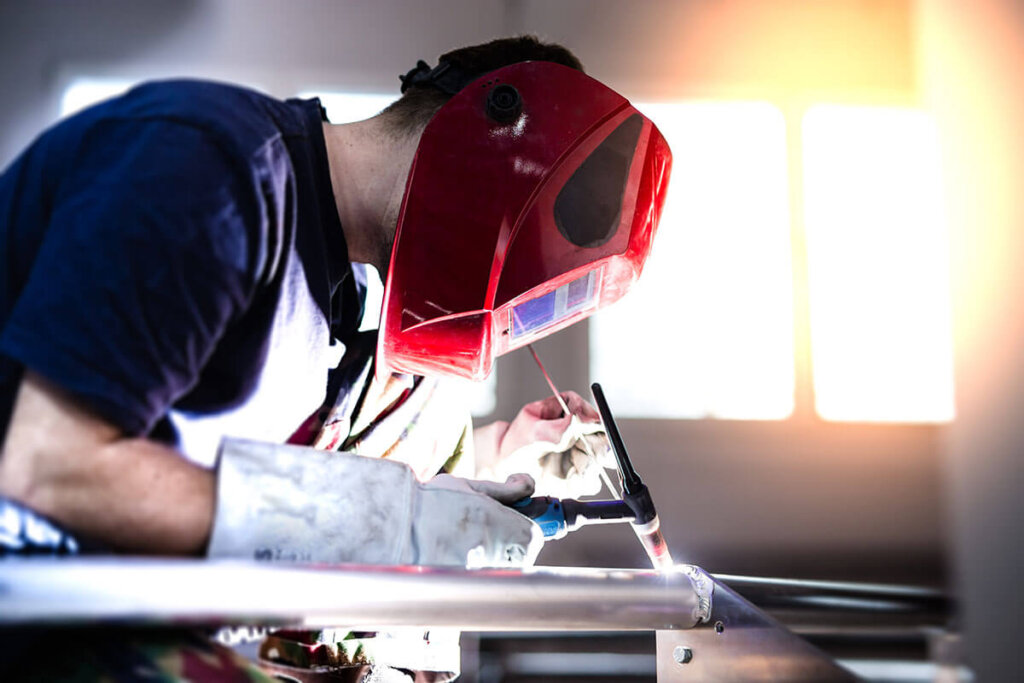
(821, 373)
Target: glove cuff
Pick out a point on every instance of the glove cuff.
(292, 503)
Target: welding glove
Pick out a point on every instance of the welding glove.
(293, 503)
(552, 447)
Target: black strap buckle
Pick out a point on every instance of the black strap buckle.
(416, 75)
(446, 77)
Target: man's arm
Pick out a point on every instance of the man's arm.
(132, 494)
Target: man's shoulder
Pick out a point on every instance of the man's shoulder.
(182, 94)
(223, 109)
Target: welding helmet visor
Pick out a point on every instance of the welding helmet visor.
(532, 201)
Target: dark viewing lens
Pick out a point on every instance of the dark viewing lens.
(589, 207)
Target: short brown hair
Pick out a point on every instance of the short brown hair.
(420, 101)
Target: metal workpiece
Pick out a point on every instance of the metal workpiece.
(738, 642)
(142, 591)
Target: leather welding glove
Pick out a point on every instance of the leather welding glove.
(471, 520)
(293, 503)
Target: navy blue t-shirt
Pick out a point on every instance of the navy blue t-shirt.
(154, 248)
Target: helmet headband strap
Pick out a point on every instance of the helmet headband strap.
(446, 77)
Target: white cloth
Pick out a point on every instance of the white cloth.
(564, 469)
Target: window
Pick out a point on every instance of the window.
(83, 92)
(348, 107)
(877, 246)
(708, 330)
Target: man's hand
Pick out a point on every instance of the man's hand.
(544, 421)
(294, 503)
(472, 517)
(549, 445)
(516, 486)
(77, 469)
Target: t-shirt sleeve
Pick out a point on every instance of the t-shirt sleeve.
(151, 253)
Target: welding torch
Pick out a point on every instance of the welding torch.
(557, 517)
(646, 523)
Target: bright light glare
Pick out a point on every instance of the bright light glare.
(374, 299)
(878, 252)
(481, 396)
(343, 107)
(88, 91)
(708, 329)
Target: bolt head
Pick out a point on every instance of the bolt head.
(682, 654)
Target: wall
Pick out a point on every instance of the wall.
(281, 47)
(973, 63)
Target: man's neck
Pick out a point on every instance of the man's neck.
(369, 168)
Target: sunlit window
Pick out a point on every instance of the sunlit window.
(879, 265)
(482, 396)
(84, 92)
(348, 107)
(707, 331)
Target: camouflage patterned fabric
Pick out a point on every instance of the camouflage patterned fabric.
(299, 655)
(349, 656)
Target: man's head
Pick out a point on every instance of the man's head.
(531, 202)
(421, 97)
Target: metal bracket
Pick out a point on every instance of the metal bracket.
(739, 642)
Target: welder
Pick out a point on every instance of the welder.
(182, 369)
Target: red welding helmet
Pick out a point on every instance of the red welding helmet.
(532, 201)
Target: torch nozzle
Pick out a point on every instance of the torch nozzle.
(654, 543)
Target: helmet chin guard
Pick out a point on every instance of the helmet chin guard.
(532, 201)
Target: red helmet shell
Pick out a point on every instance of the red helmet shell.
(510, 231)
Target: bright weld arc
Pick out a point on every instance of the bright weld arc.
(572, 421)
